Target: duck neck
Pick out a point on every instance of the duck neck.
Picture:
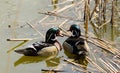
(76, 33)
(51, 41)
(50, 38)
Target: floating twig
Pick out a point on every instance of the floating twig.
(110, 66)
(77, 65)
(43, 18)
(19, 39)
(115, 64)
(65, 32)
(95, 64)
(60, 16)
(53, 70)
(88, 49)
(35, 29)
(106, 65)
(101, 45)
(104, 24)
(63, 23)
(78, 69)
(16, 46)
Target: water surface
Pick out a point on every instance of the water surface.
(13, 17)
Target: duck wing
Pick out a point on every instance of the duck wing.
(80, 44)
(81, 47)
(39, 45)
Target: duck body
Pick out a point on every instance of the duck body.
(75, 44)
(47, 48)
(40, 48)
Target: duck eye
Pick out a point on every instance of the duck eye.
(58, 32)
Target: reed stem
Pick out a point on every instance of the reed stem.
(112, 11)
(86, 18)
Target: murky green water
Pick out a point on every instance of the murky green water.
(13, 17)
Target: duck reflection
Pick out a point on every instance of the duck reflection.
(51, 61)
(77, 59)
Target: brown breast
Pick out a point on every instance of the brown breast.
(58, 45)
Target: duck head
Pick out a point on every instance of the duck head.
(75, 29)
(51, 35)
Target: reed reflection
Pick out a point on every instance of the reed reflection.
(54, 3)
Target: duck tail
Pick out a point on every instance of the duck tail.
(20, 51)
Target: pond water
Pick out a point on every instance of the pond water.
(13, 17)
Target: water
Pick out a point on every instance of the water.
(15, 13)
(13, 17)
